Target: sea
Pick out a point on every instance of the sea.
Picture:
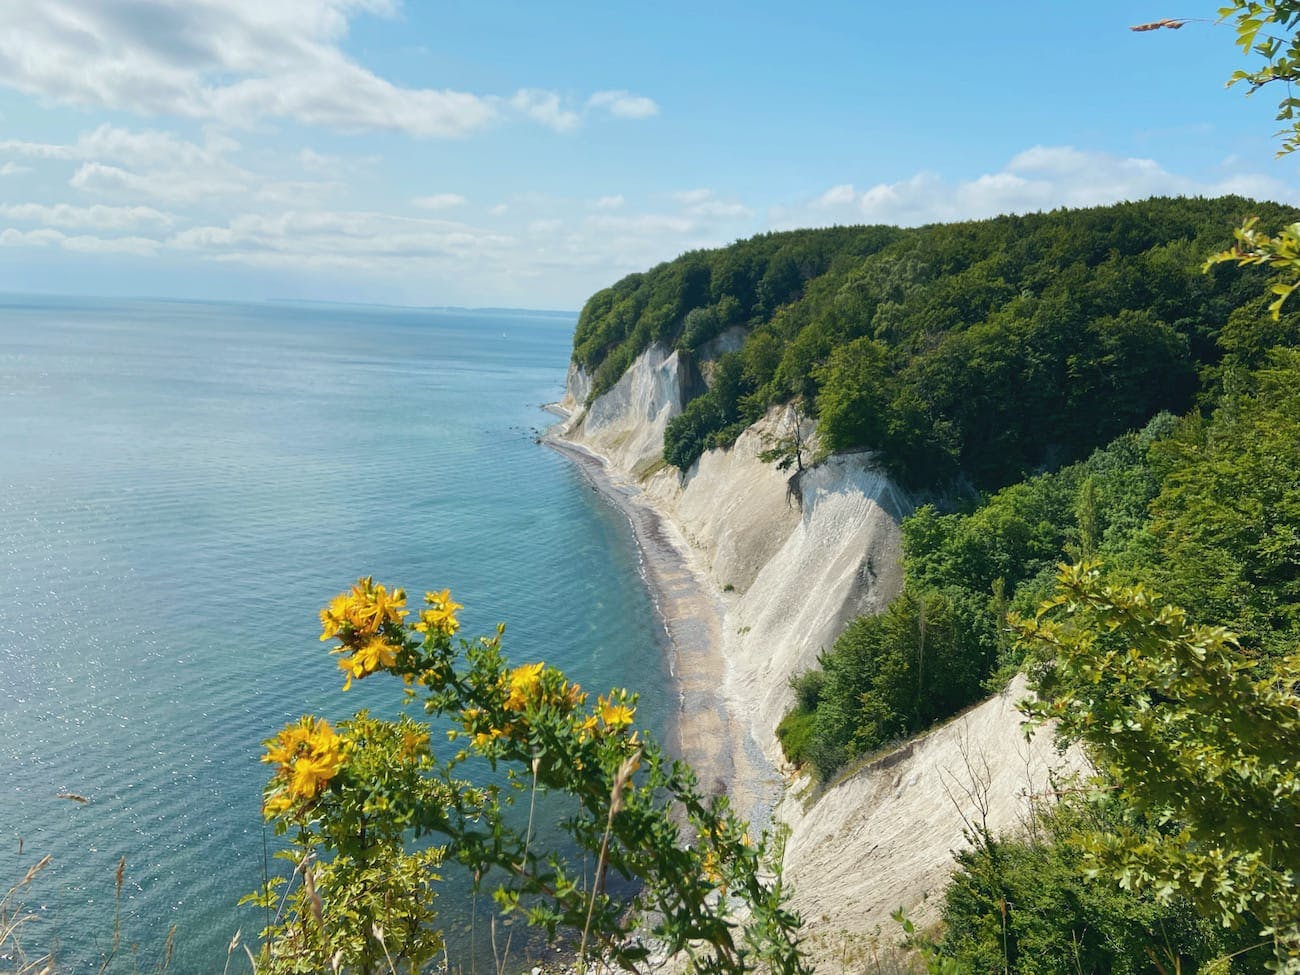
(183, 485)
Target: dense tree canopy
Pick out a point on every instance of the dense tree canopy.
(977, 351)
(1197, 751)
(1194, 726)
(1206, 509)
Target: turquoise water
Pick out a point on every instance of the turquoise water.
(182, 486)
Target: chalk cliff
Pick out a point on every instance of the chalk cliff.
(792, 560)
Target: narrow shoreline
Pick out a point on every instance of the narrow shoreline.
(706, 733)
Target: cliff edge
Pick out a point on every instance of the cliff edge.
(783, 563)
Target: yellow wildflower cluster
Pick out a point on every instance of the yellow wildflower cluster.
(440, 617)
(362, 610)
(533, 685)
(415, 743)
(481, 729)
(711, 869)
(614, 711)
(307, 755)
(611, 714)
(523, 683)
(362, 619)
(528, 686)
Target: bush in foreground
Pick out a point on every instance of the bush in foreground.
(353, 800)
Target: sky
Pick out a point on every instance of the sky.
(525, 154)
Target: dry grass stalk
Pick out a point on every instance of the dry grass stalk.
(621, 779)
(13, 918)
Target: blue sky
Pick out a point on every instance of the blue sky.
(528, 153)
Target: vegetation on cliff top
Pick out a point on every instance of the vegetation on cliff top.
(981, 350)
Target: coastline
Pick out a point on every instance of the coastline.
(871, 841)
(709, 731)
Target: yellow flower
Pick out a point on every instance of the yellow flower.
(308, 754)
(376, 654)
(335, 616)
(523, 681)
(710, 867)
(362, 611)
(442, 600)
(615, 714)
(308, 775)
(483, 738)
(374, 605)
(352, 667)
(414, 742)
(277, 804)
(440, 617)
(283, 747)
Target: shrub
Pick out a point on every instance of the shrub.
(352, 801)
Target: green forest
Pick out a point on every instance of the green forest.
(1058, 388)
(968, 354)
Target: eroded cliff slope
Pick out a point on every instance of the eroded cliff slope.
(790, 561)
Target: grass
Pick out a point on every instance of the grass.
(648, 468)
(14, 920)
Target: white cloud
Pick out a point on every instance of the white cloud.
(128, 165)
(705, 203)
(231, 60)
(641, 223)
(122, 163)
(98, 216)
(623, 104)
(1255, 185)
(691, 197)
(322, 164)
(545, 107)
(722, 209)
(13, 169)
(358, 240)
(439, 201)
(297, 193)
(614, 202)
(239, 62)
(136, 246)
(34, 150)
(149, 147)
(135, 148)
(836, 196)
(171, 185)
(548, 108)
(501, 209)
(1039, 178)
(316, 161)
(29, 238)
(83, 243)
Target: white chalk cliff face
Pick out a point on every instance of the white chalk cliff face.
(794, 562)
(797, 561)
(883, 838)
(626, 424)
